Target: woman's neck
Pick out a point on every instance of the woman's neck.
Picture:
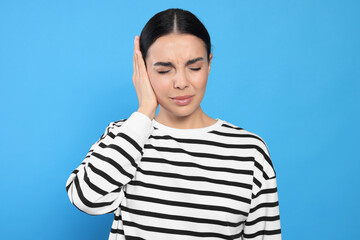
(197, 119)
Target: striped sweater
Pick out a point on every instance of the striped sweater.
(164, 183)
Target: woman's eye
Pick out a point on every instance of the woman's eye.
(196, 69)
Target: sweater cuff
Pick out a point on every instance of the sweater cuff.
(138, 124)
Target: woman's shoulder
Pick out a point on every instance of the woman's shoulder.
(116, 123)
(237, 131)
(250, 140)
(243, 136)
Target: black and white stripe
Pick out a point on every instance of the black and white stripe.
(213, 183)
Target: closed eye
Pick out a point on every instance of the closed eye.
(196, 69)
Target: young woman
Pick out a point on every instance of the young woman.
(180, 174)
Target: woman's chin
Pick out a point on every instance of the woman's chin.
(180, 111)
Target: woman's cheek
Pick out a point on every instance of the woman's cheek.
(158, 86)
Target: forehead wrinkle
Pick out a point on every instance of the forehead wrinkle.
(189, 62)
(174, 52)
(172, 57)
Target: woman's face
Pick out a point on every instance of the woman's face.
(177, 65)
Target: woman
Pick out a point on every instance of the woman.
(180, 174)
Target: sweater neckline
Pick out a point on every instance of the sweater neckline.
(190, 131)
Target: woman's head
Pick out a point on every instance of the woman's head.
(173, 20)
(176, 49)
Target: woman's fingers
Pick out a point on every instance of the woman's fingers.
(135, 61)
(146, 96)
(139, 61)
(137, 43)
(137, 76)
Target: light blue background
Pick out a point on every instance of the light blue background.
(286, 70)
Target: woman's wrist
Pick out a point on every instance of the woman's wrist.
(147, 112)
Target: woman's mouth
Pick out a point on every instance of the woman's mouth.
(182, 100)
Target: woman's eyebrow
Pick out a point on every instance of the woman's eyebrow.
(194, 60)
(166, 64)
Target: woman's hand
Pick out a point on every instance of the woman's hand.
(147, 99)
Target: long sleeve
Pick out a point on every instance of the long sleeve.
(263, 221)
(96, 186)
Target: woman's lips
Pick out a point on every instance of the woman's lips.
(182, 100)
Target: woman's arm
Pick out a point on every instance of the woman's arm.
(96, 186)
(263, 221)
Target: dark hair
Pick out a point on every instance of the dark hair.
(173, 20)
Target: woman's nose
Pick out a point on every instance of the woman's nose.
(180, 80)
